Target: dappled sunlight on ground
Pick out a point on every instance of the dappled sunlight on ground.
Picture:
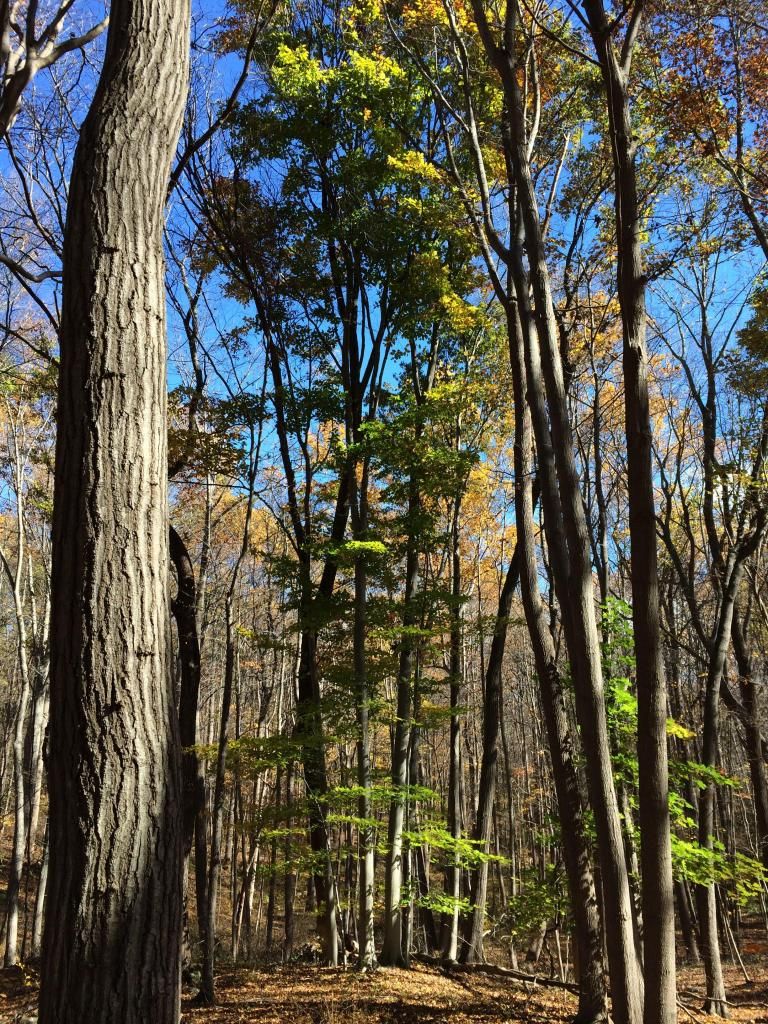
(304, 994)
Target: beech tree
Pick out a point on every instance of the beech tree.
(615, 49)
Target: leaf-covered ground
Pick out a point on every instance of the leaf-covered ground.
(305, 994)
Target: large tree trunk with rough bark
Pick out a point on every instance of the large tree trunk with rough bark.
(111, 939)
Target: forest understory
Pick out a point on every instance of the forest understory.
(305, 993)
(383, 511)
(265, 990)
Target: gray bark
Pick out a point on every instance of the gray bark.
(565, 520)
(453, 887)
(112, 930)
(366, 878)
(37, 924)
(655, 848)
(576, 853)
(393, 954)
(492, 711)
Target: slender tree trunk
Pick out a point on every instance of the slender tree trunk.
(33, 754)
(207, 994)
(113, 921)
(655, 847)
(716, 1002)
(393, 954)
(415, 777)
(451, 937)
(193, 780)
(16, 862)
(201, 864)
(366, 880)
(687, 924)
(289, 890)
(602, 516)
(568, 547)
(272, 897)
(309, 727)
(511, 812)
(309, 712)
(589, 954)
(752, 735)
(472, 951)
(183, 608)
(37, 925)
(565, 520)
(21, 730)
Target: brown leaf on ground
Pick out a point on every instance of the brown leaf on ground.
(305, 994)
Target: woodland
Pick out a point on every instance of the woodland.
(383, 511)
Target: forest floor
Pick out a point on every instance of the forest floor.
(301, 993)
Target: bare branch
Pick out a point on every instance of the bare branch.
(226, 111)
(20, 64)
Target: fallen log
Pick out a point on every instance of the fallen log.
(450, 966)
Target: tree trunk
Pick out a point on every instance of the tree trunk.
(576, 853)
(20, 732)
(272, 895)
(473, 936)
(687, 924)
(207, 994)
(393, 954)
(193, 779)
(418, 857)
(309, 727)
(33, 752)
(183, 608)
(289, 891)
(37, 924)
(715, 1002)
(655, 847)
(112, 930)
(366, 879)
(753, 738)
(568, 546)
(208, 988)
(564, 517)
(451, 937)
(16, 862)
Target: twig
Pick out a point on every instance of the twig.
(685, 1009)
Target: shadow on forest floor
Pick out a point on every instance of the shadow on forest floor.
(303, 994)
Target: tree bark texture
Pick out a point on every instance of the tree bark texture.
(112, 930)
